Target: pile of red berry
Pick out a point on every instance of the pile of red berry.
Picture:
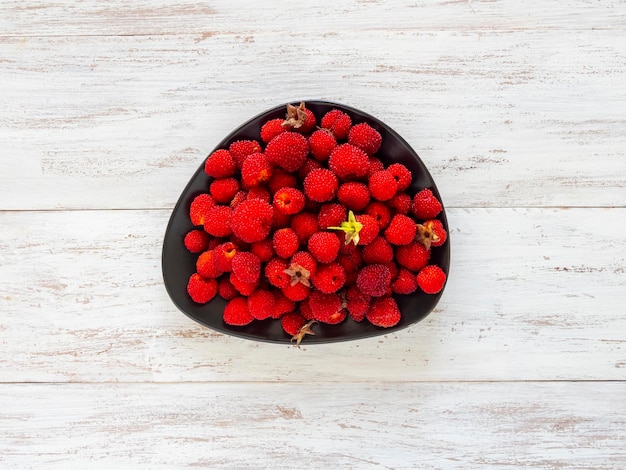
(307, 225)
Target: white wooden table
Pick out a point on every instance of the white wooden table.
(518, 108)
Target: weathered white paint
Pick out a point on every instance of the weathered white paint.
(573, 425)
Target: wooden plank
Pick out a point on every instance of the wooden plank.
(533, 294)
(65, 17)
(123, 122)
(393, 426)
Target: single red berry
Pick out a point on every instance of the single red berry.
(348, 162)
(296, 292)
(431, 233)
(352, 259)
(378, 251)
(431, 279)
(303, 259)
(329, 278)
(218, 221)
(365, 137)
(307, 167)
(244, 288)
(225, 289)
(240, 149)
(401, 174)
(285, 242)
(413, 256)
(304, 224)
(287, 150)
(324, 246)
(292, 322)
(263, 249)
(205, 265)
(223, 190)
(374, 280)
(288, 201)
(337, 122)
(282, 305)
(199, 208)
(299, 118)
(357, 303)
(404, 283)
(331, 215)
(251, 220)
(321, 185)
(374, 165)
(220, 164)
(400, 203)
(275, 273)
(236, 312)
(255, 170)
(281, 179)
(426, 205)
(272, 128)
(354, 195)
(401, 230)
(384, 312)
(259, 192)
(260, 304)
(327, 308)
(380, 212)
(196, 240)
(200, 289)
(321, 144)
(370, 229)
(305, 310)
(246, 266)
(382, 185)
(224, 254)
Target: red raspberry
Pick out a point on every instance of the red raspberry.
(305, 310)
(324, 246)
(355, 196)
(243, 288)
(370, 229)
(404, 283)
(201, 290)
(321, 144)
(384, 312)
(255, 170)
(350, 259)
(281, 179)
(240, 149)
(357, 303)
(296, 292)
(337, 122)
(282, 305)
(329, 278)
(205, 265)
(348, 162)
(327, 308)
(401, 174)
(263, 249)
(259, 192)
(382, 185)
(401, 230)
(380, 212)
(220, 164)
(223, 190)
(431, 279)
(413, 256)
(331, 215)
(378, 251)
(425, 205)
(260, 304)
(218, 221)
(431, 233)
(196, 241)
(199, 208)
(365, 137)
(401, 203)
(374, 165)
(288, 201)
(275, 273)
(252, 220)
(300, 119)
(287, 150)
(307, 167)
(225, 289)
(393, 268)
(320, 185)
(292, 322)
(224, 254)
(246, 266)
(374, 280)
(272, 128)
(304, 259)
(285, 242)
(304, 224)
(236, 312)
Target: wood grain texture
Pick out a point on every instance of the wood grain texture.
(532, 294)
(116, 17)
(312, 425)
(518, 118)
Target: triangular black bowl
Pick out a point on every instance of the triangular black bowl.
(178, 263)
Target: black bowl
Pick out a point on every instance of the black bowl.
(178, 263)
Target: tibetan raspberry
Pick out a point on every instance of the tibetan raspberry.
(200, 289)
(374, 280)
(251, 220)
(236, 312)
(287, 150)
(324, 246)
(348, 162)
(384, 312)
(320, 185)
(401, 230)
(220, 164)
(365, 137)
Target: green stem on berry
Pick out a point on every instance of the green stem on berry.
(351, 228)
